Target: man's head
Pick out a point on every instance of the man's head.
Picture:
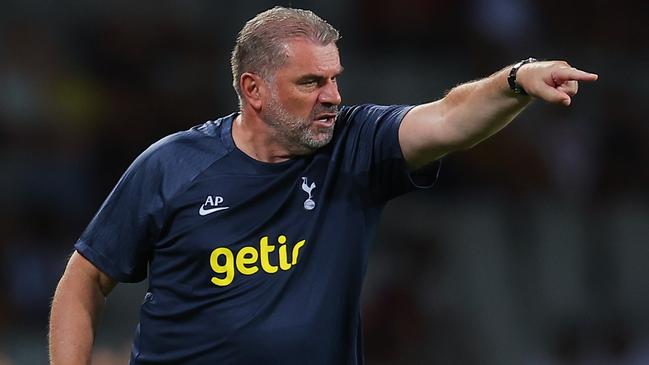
(261, 43)
(284, 67)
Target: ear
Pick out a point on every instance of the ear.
(252, 89)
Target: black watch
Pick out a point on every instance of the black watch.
(511, 79)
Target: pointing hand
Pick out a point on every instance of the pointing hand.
(552, 81)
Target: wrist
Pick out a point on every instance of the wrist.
(512, 80)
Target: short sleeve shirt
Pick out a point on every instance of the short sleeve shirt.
(250, 262)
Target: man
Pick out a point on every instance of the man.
(254, 229)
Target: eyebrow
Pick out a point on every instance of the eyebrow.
(318, 77)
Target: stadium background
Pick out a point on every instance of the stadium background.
(532, 249)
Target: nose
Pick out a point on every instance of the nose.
(329, 94)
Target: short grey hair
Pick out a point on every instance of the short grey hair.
(260, 45)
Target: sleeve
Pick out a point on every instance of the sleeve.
(119, 238)
(374, 144)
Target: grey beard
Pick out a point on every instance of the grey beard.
(296, 132)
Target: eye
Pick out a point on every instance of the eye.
(309, 82)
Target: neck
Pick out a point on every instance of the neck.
(257, 139)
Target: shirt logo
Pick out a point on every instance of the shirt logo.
(211, 205)
(248, 260)
(308, 203)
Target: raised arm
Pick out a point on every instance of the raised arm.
(472, 112)
(76, 308)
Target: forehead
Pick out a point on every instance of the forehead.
(307, 57)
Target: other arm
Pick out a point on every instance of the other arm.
(474, 111)
(76, 309)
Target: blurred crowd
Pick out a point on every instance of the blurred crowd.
(85, 87)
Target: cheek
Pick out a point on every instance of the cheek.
(301, 104)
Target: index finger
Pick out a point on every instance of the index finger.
(571, 73)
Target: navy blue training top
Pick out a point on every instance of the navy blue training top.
(250, 262)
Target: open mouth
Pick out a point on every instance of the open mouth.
(326, 120)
